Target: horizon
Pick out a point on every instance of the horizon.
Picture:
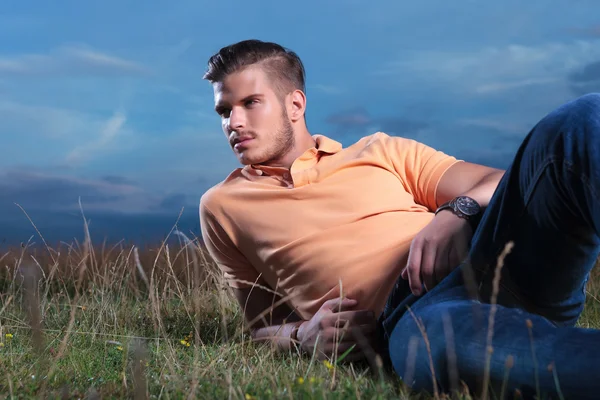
(121, 118)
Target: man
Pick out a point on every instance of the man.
(326, 246)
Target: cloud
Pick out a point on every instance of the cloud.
(37, 190)
(355, 117)
(173, 201)
(69, 61)
(106, 137)
(358, 120)
(117, 180)
(42, 121)
(115, 207)
(327, 89)
(586, 79)
(502, 123)
(492, 69)
(65, 137)
(505, 86)
(591, 31)
(589, 73)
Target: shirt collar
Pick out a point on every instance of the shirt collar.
(323, 144)
(327, 145)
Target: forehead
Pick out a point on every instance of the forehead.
(241, 84)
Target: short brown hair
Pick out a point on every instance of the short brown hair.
(277, 61)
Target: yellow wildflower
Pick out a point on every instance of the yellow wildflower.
(300, 380)
(328, 364)
(120, 348)
(9, 336)
(1, 344)
(250, 397)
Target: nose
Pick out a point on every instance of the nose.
(236, 119)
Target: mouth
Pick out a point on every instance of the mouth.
(241, 142)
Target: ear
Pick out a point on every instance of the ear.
(297, 105)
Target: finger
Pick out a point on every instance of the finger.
(350, 318)
(413, 268)
(428, 266)
(442, 266)
(339, 304)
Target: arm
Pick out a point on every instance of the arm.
(433, 177)
(272, 320)
(467, 179)
(268, 323)
(444, 243)
(267, 319)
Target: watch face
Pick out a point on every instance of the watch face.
(467, 205)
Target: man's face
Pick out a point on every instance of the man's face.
(254, 119)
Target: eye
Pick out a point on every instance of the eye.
(251, 102)
(223, 112)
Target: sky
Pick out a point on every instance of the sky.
(105, 117)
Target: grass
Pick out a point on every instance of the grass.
(104, 322)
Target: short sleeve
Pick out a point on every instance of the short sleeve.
(237, 270)
(420, 166)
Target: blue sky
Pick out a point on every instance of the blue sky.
(104, 101)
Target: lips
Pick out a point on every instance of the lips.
(241, 141)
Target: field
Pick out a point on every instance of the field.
(102, 322)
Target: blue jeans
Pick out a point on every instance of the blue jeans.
(548, 205)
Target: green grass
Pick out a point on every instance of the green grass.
(96, 322)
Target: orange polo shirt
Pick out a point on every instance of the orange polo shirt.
(339, 219)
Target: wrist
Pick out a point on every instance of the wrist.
(295, 335)
(464, 207)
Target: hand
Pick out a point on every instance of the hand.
(335, 328)
(436, 250)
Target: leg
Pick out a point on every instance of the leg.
(457, 331)
(548, 204)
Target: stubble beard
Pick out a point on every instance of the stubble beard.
(281, 143)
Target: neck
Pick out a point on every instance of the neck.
(303, 142)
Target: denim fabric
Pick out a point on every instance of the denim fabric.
(548, 205)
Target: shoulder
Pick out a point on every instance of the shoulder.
(214, 199)
(383, 139)
(384, 143)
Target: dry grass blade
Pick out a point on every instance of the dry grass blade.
(421, 327)
(490, 332)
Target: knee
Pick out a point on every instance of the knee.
(583, 112)
(571, 128)
(585, 106)
(415, 351)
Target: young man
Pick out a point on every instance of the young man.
(325, 245)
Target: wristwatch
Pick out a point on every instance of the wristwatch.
(463, 207)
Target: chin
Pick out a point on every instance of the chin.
(249, 159)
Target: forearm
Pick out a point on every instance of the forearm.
(282, 336)
(481, 190)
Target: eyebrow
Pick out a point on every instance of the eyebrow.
(220, 105)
